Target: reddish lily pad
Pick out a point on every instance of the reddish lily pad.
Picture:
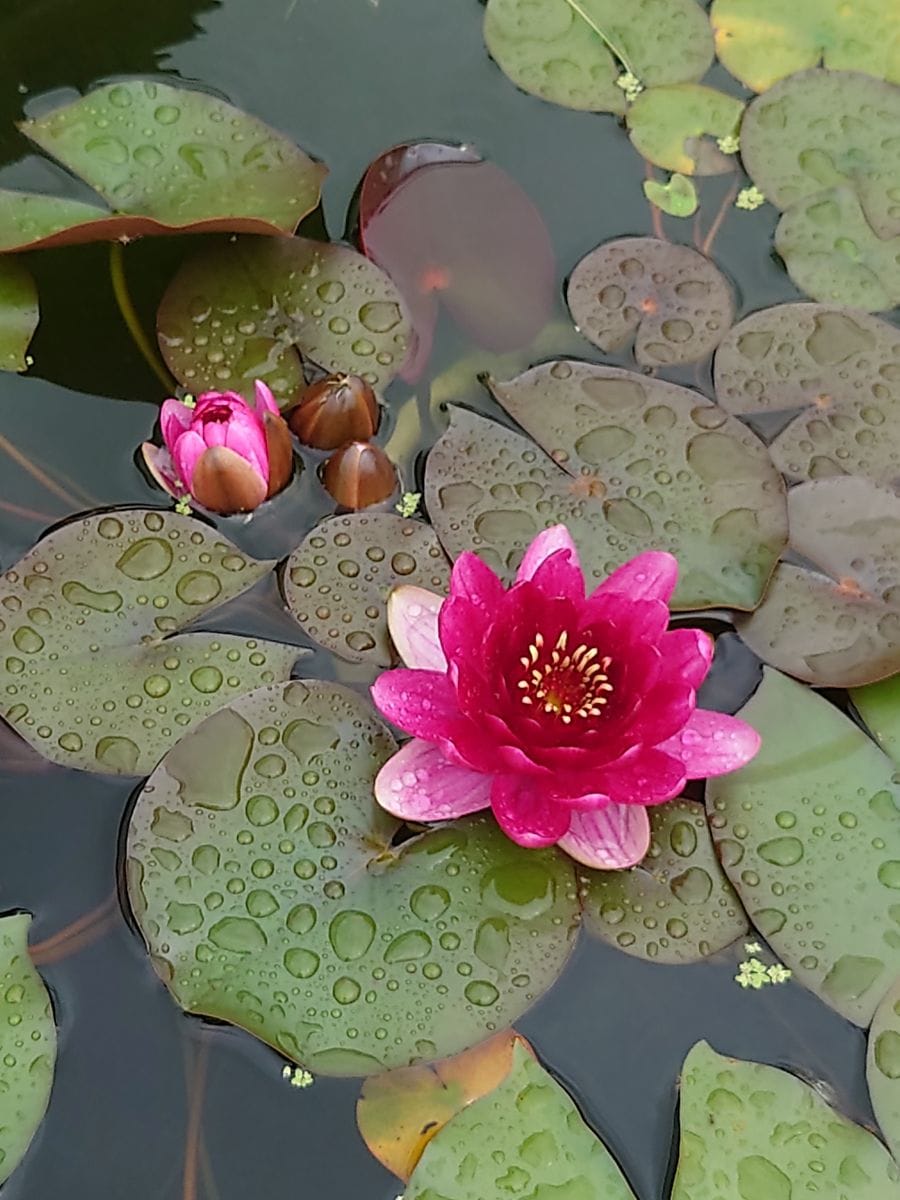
(296, 918)
(761, 41)
(337, 581)
(809, 835)
(677, 906)
(566, 51)
(248, 309)
(462, 233)
(676, 127)
(18, 314)
(671, 299)
(839, 367)
(883, 1067)
(833, 619)
(93, 675)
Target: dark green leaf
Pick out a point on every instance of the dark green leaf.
(18, 314)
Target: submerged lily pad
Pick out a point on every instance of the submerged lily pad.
(676, 906)
(676, 126)
(27, 1044)
(883, 1067)
(241, 311)
(834, 619)
(295, 918)
(753, 1132)
(92, 676)
(337, 581)
(677, 198)
(538, 1141)
(809, 834)
(644, 464)
(18, 314)
(566, 52)
(674, 301)
(761, 41)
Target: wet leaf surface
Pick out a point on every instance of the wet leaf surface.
(753, 1132)
(677, 198)
(92, 676)
(674, 301)
(676, 906)
(883, 1067)
(27, 1044)
(761, 41)
(399, 1112)
(809, 835)
(559, 49)
(676, 127)
(833, 618)
(538, 1141)
(248, 309)
(879, 706)
(28, 219)
(18, 314)
(296, 919)
(633, 452)
(337, 581)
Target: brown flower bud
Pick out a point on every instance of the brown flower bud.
(281, 453)
(359, 474)
(335, 410)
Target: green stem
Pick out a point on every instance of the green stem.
(610, 45)
(130, 317)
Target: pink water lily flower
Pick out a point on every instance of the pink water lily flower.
(566, 714)
(224, 453)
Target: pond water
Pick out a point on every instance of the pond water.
(141, 1088)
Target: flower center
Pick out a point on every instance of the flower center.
(564, 684)
(217, 415)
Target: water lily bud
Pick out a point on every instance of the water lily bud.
(335, 410)
(359, 474)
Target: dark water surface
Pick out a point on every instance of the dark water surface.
(347, 79)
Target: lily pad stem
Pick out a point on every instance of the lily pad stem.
(610, 45)
(130, 317)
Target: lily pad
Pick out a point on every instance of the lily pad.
(677, 198)
(18, 314)
(676, 906)
(753, 1132)
(883, 1067)
(566, 51)
(538, 1141)
(879, 706)
(27, 1044)
(337, 581)
(295, 918)
(92, 675)
(166, 159)
(809, 835)
(674, 301)
(824, 130)
(248, 309)
(833, 618)
(644, 464)
(674, 127)
(761, 41)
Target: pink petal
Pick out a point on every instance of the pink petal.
(412, 615)
(473, 580)
(686, 654)
(547, 543)
(174, 420)
(712, 743)
(642, 776)
(265, 401)
(245, 434)
(159, 463)
(608, 838)
(524, 812)
(420, 784)
(186, 454)
(649, 576)
(423, 703)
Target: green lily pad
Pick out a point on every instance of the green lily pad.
(809, 834)
(565, 50)
(883, 1067)
(92, 675)
(833, 255)
(677, 198)
(166, 159)
(761, 41)
(643, 464)
(677, 906)
(18, 314)
(823, 130)
(671, 127)
(248, 309)
(753, 1132)
(879, 706)
(540, 1147)
(834, 619)
(27, 1044)
(673, 301)
(337, 581)
(270, 896)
